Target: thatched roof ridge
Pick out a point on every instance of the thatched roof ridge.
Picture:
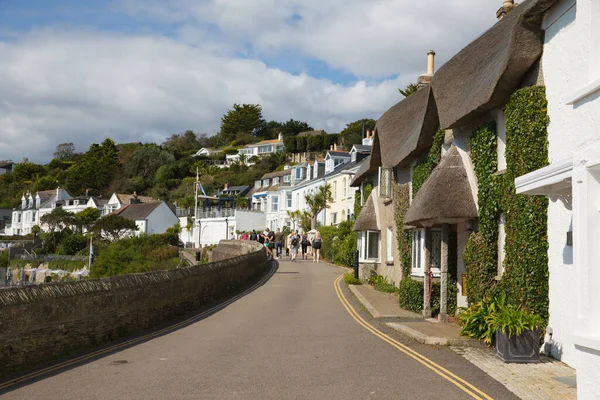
(483, 75)
(407, 129)
(445, 197)
(367, 218)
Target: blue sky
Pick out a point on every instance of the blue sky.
(79, 71)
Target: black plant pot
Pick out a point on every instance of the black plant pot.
(523, 348)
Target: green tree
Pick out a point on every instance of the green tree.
(301, 144)
(410, 89)
(112, 227)
(58, 218)
(96, 168)
(86, 218)
(318, 202)
(354, 131)
(315, 142)
(72, 244)
(64, 151)
(290, 143)
(145, 160)
(180, 143)
(26, 171)
(245, 118)
(293, 127)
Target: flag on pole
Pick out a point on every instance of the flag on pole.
(91, 260)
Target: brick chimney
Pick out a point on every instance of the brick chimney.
(507, 6)
(425, 79)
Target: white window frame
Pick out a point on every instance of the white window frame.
(345, 189)
(334, 218)
(501, 244)
(288, 198)
(265, 182)
(286, 178)
(276, 180)
(389, 244)
(368, 235)
(257, 184)
(385, 185)
(274, 203)
(418, 249)
(334, 191)
(501, 140)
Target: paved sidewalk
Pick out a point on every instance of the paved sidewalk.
(549, 379)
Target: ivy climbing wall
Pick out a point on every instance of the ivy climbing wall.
(525, 277)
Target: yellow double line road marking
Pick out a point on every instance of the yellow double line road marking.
(137, 340)
(438, 369)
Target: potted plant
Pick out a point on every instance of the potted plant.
(517, 335)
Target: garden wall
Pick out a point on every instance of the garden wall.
(39, 323)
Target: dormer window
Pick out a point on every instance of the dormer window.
(286, 178)
(265, 182)
(276, 181)
(257, 184)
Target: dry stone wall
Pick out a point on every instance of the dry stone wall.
(39, 323)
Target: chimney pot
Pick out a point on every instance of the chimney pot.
(335, 147)
(430, 62)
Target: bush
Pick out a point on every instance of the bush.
(381, 284)
(411, 296)
(339, 243)
(72, 244)
(351, 280)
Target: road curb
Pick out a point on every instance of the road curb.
(431, 340)
(372, 310)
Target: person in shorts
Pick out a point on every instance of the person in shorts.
(317, 247)
(305, 243)
(271, 240)
(294, 243)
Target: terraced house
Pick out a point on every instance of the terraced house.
(464, 204)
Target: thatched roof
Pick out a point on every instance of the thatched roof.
(445, 197)
(407, 129)
(367, 219)
(483, 75)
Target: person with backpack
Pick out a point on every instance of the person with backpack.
(294, 242)
(305, 243)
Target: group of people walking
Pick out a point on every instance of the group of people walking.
(274, 242)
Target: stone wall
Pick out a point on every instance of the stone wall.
(42, 322)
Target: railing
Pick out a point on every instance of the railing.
(212, 212)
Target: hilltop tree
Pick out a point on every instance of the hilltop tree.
(64, 151)
(353, 132)
(96, 168)
(145, 160)
(245, 118)
(86, 218)
(180, 143)
(292, 127)
(318, 202)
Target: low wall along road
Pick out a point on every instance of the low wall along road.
(39, 323)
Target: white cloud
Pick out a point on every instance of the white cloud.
(68, 84)
(62, 86)
(369, 38)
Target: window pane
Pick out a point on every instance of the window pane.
(373, 245)
(436, 249)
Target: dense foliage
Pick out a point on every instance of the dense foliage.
(423, 169)
(354, 132)
(411, 296)
(525, 278)
(339, 243)
(136, 254)
(403, 238)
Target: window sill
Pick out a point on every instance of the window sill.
(589, 341)
(584, 92)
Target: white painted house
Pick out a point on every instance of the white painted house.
(262, 148)
(150, 218)
(205, 152)
(28, 214)
(571, 65)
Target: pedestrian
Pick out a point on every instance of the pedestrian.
(317, 247)
(278, 243)
(294, 242)
(305, 243)
(253, 235)
(265, 241)
(271, 238)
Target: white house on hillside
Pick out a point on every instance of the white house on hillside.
(205, 151)
(262, 148)
(150, 218)
(28, 214)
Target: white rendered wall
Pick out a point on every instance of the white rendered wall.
(161, 219)
(567, 67)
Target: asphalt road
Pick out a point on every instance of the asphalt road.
(292, 337)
